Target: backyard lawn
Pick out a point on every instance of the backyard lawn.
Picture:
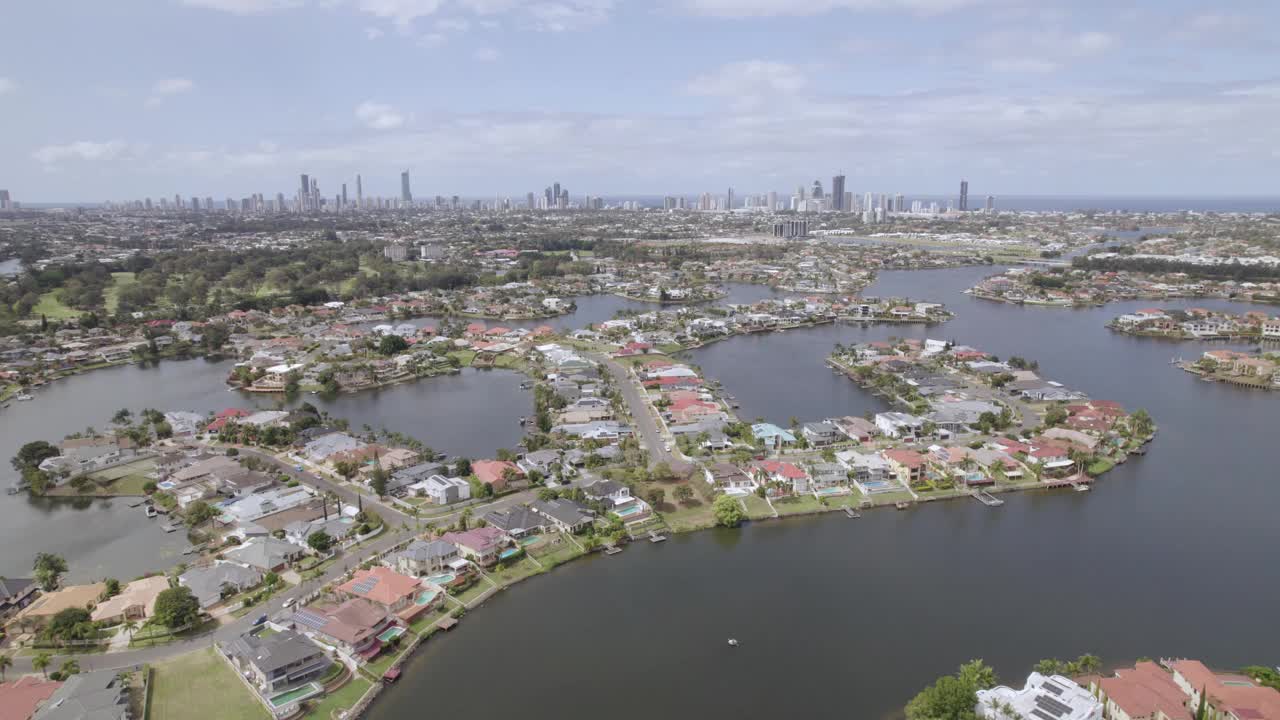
(201, 685)
(344, 698)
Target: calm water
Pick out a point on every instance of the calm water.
(106, 537)
(1172, 554)
(10, 267)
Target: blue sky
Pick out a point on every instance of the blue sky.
(120, 100)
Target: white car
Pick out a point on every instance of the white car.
(290, 602)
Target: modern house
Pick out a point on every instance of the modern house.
(517, 522)
(15, 594)
(1042, 698)
(424, 556)
(907, 466)
(352, 626)
(819, 434)
(565, 515)
(266, 554)
(494, 473)
(100, 695)
(443, 490)
(383, 587)
(730, 478)
(278, 662)
(900, 426)
(871, 473)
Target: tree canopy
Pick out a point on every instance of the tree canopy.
(953, 697)
(48, 569)
(727, 511)
(176, 607)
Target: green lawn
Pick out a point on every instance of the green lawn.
(119, 281)
(464, 356)
(344, 698)
(201, 685)
(796, 505)
(51, 307)
(681, 518)
(515, 573)
(757, 508)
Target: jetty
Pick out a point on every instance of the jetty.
(171, 527)
(986, 498)
(654, 537)
(854, 514)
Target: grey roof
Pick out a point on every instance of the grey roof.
(602, 488)
(88, 696)
(820, 428)
(273, 652)
(206, 582)
(426, 551)
(516, 519)
(419, 472)
(565, 511)
(542, 457)
(13, 587)
(265, 553)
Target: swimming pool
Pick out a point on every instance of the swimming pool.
(531, 540)
(426, 597)
(509, 553)
(442, 579)
(294, 695)
(391, 633)
(627, 511)
(832, 491)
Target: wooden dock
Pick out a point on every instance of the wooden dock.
(654, 537)
(854, 514)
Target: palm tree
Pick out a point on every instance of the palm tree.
(41, 662)
(70, 667)
(6, 662)
(131, 626)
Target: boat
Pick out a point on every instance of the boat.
(854, 514)
(733, 642)
(902, 505)
(1082, 488)
(23, 397)
(151, 511)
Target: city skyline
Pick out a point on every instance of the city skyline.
(1021, 98)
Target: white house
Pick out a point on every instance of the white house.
(1055, 697)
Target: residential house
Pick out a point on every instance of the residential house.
(211, 583)
(480, 545)
(907, 466)
(827, 476)
(1144, 692)
(300, 532)
(772, 435)
(44, 607)
(385, 588)
(495, 473)
(322, 448)
(1042, 698)
(21, 698)
(730, 478)
(443, 490)
(101, 695)
(423, 557)
(791, 477)
(820, 434)
(1229, 696)
(856, 428)
(871, 473)
(900, 426)
(517, 522)
(16, 594)
(544, 462)
(136, 601)
(352, 626)
(275, 663)
(267, 554)
(565, 515)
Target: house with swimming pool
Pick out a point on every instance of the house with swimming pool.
(480, 545)
(424, 556)
(388, 589)
(565, 515)
(618, 498)
(517, 522)
(276, 663)
(357, 628)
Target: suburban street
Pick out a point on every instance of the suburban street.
(645, 424)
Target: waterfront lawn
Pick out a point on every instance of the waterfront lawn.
(1099, 466)
(201, 685)
(52, 308)
(516, 572)
(681, 518)
(557, 554)
(892, 498)
(425, 621)
(757, 508)
(345, 697)
(510, 361)
(464, 357)
(376, 669)
(473, 592)
(798, 505)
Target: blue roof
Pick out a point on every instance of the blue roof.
(769, 430)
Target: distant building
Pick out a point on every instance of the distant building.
(405, 195)
(789, 229)
(1042, 698)
(964, 195)
(837, 193)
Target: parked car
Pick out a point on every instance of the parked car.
(262, 620)
(290, 602)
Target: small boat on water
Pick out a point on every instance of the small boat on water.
(151, 511)
(733, 642)
(23, 397)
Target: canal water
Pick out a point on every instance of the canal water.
(1172, 554)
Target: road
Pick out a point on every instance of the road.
(643, 421)
(396, 532)
(348, 495)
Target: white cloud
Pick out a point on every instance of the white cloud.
(569, 14)
(454, 25)
(1042, 51)
(167, 88)
(432, 40)
(749, 81)
(400, 12)
(372, 33)
(7, 85)
(487, 54)
(377, 116)
(50, 155)
(773, 8)
(245, 7)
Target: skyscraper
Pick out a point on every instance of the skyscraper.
(991, 203)
(964, 195)
(359, 193)
(304, 194)
(406, 197)
(817, 189)
(343, 204)
(773, 200)
(837, 193)
(729, 206)
(5, 202)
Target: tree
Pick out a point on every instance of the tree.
(6, 662)
(1140, 422)
(199, 513)
(656, 496)
(683, 493)
(70, 667)
(48, 569)
(392, 344)
(1089, 663)
(953, 697)
(346, 469)
(32, 454)
(727, 511)
(41, 662)
(462, 467)
(122, 417)
(111, 589)
(378, 481)
(73, 623)
(176, 607)
(1202, 713)
(1056, 415)
(320, 541)
(662, 472)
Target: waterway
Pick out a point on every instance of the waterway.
(1171, 554)
(10, 267)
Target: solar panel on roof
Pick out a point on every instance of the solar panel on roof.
(310, 619)
(1055, 707)
(1053, 687)
(364, 586)
(1042, 714)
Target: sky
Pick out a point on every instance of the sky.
(493, 98)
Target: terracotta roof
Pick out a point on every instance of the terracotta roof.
(20, 698)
